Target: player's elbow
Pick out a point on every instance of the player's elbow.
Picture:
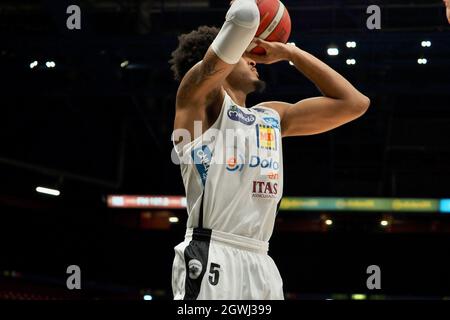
(364, 103)
(244, 13)
(359, 104)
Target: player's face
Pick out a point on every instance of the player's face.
(245, 75)
(247, 67)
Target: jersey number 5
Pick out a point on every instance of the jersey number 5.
(214, 273)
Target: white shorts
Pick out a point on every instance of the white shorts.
(213, 265)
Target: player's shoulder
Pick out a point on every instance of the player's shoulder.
(272, 107)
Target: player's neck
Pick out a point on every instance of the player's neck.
(237, 96)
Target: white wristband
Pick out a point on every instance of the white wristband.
(238, 31)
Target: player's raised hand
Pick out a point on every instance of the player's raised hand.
(275, 52)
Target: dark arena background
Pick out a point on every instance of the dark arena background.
(89, 114)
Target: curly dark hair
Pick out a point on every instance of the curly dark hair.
(191, 49)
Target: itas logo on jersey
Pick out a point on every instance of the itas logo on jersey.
(236, 114)
(264, 189)
(234, 164)
(266, 137)
(202, 159)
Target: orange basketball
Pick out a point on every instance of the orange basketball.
(275, 24)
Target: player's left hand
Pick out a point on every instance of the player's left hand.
(275, 52)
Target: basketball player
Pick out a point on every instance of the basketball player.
(447, 5)
(232, 205)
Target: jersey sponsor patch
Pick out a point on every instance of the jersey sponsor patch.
(264, 163)
(195, 268)
(236, 114)
(269, 166)
(266, 137)
(261, 110)
(235, 164)
(273, 175)
(272, 122)
(264, 189)
(202, 159)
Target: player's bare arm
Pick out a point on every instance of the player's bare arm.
(200, 88)
(447, 5)
(340, 103)
(200, 93)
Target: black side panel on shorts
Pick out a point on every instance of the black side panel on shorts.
(196, 259)
(278, 206)
(200, 216)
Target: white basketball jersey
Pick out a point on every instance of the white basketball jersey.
(233, 172)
